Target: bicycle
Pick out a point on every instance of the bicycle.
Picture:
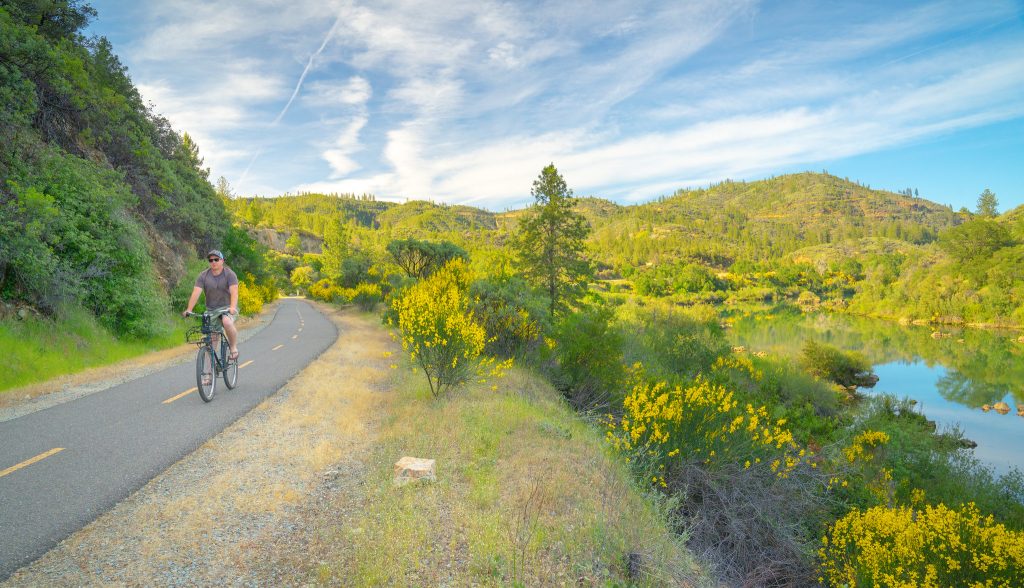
(210, 364)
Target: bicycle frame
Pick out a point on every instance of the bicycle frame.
(212, 342)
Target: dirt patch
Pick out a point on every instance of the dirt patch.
(237, 510)
(28, 399)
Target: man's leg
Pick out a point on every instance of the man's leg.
(231, 332)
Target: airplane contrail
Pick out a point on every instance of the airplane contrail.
(295, 92)
(309, 65)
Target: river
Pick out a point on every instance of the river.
(952, 373)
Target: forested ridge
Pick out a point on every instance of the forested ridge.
(830, 240)
(102, 203)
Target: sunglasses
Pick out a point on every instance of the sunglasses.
(213, 259)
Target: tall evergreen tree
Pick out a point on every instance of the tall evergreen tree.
(988, 205)
(335, 250)
(550, 241)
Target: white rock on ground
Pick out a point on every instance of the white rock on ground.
(414, 469)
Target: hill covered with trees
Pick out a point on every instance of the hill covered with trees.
(102, 203)
(826, 239)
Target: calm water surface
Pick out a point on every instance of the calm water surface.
(951, 376)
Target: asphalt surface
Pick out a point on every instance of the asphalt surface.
(63, 466)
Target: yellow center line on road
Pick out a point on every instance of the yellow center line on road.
(29, 462)
(278, 347)
(183, 394)
(245, 364)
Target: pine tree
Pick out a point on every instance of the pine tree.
(550, 241)
(988, 204)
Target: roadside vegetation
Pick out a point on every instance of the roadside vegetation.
(761, 459)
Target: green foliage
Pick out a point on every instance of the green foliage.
(988, 204)
(848, 369)
(366, 296)
(355, 269)
(326, 291)
(588, 351)
(335, 250)
(670, 342)
(975, 240)
(303, 277)
(918, 460)
(39, 348)
(77, 246)
(513, 316)
(663, 280)
(294, 244)
(90, 179)
(418, 259)
(550, 242)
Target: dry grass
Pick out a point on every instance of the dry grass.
(526, 495)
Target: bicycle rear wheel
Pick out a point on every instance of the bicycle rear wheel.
(206, 378)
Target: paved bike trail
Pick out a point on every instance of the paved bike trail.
(63, 466)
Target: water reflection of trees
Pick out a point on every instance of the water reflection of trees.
(982, 367)
(956, 387)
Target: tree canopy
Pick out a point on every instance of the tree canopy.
(550, 242)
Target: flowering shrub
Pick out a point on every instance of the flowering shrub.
(862, 446)
(249, 300)
(933, 546)
(327, 291)
(703, 421)
(438, 329)
(366, 296)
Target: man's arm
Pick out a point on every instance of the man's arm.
(233, 289)
(196, 291)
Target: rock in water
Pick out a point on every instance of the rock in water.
(1001, 407)
(414, 469)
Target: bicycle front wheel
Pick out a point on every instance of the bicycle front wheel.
(231, 373)
(206, 378)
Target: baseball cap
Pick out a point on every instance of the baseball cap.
(215, 252)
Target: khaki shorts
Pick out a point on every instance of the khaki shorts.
(222, 312)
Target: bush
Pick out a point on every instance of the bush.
(326, 291)
(249, 300)
(703, 422)
(510, 313)
(930, 546)
(438, 328)
(366, 296)
(848, 369)
(589, 355)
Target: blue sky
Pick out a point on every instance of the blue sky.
(465, 101)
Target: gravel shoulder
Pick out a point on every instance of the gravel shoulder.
(237, 511)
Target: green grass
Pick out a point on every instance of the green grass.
(37, 349)
(527, 494)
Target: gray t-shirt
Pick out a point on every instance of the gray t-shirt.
(216, 287)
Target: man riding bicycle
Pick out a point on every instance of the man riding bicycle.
(220, 285)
